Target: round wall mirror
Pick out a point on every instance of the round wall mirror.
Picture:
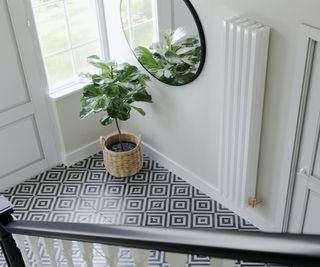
(166, 37)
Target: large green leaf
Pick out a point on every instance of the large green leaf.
(101, 103)
(107, 120)
(141, 96)
(185, 50)
(96, 62)
(178, 34)
(140, 110)
(87, 107)
(191, 42)
(85, 111)
(146, 58)
(129, 73)
(172, 58)
(91, 90)
(124, 115)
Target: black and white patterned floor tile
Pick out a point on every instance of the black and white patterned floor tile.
(155, 197)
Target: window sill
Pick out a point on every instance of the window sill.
(67, 91)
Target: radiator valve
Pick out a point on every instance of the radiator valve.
(253, 202)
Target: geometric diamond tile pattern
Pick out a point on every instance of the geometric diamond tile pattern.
(154, 197)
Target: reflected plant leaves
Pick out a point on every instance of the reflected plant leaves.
(174, 61)
(172, 55)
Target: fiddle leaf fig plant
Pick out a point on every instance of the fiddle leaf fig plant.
(113, 91)
(175, 60)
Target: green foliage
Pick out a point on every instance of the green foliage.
(113, 91)
(174, 61)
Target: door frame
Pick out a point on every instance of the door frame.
(308, 38)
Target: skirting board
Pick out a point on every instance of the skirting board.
(81, 153)
(247, 213)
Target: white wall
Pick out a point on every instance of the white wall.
(183, 122)
(77, 138)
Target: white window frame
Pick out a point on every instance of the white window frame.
(102, 39)
(155, 20)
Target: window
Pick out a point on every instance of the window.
(140, 22)
(69, 31)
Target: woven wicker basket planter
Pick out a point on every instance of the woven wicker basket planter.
(122, 164)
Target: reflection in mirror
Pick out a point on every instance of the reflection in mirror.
(166, 37)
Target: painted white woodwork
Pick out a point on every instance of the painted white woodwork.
(20, 145)
(27, 145)
(312, 218)
(20, 241)
(176, 260)
(49, 249)
(217, 262)
(14, 88)
(244, 71)
(305, 216)
(30, 245)
(316, 167)
(86, 250)
(33, 242)
(111, 255)
(140, 257)
(66, 247)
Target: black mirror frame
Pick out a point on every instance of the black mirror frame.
(202, 42)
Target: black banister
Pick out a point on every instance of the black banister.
(289, 249)
(10, 250)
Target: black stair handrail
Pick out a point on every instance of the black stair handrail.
(288, 249)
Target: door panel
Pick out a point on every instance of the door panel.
(312, 218)
(310, 132)
(14, 114)
(305, 215)
(20, 145)
(14, 90)
(316, 167)
(298, 205)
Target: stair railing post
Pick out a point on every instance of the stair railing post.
(9, 247)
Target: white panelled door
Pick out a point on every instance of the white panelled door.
(27, 144)
(305, 209)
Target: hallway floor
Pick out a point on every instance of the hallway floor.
(154, 197)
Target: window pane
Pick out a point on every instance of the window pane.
(39, 2)
(59, 69)
(141, 10)
(81, 54)
(51, 26)
(83, 20)
(124, 14)
(143, 34)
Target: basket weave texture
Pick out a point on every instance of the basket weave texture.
(122, 164)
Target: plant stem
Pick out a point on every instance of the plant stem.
(119, 134)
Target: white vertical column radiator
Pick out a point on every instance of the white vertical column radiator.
(244, 73)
